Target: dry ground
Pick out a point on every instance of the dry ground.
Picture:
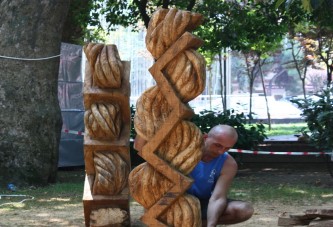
(266, 214)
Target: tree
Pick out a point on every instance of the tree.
(307, 5)
(216, 18)
(248, 26)
(256, 29)
(303, 56)
(129, 13)
(319, 27)
(77, 21)
(30, 125)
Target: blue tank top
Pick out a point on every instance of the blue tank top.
(205, 176)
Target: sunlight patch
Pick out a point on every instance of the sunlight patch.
(240, 194)
(54, 199)
(299, 191)
(266, 219)
(11, 205)
(43, 215)
(327, 196)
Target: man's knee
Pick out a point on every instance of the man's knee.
(245, 211)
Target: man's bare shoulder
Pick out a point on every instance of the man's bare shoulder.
(230, 166)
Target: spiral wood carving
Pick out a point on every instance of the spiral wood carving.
(106, 139)
(183, 148)
(111, 173)
(147, 185)
(103, 121)
(168, 25)
(174, 145)
(185, 212)
(106, 65)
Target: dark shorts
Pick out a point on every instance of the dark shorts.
(204, 207)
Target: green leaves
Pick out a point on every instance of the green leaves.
(318, 113)
(249, 135)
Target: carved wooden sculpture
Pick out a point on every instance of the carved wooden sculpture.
(173, 143)
(106, 141)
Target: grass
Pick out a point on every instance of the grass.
(68, 190)
(285, 129)
(285, 193)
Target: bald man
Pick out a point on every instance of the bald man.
(213, 177)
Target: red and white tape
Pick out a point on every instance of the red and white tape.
(72, 132)
(299, 153)
(303, 153)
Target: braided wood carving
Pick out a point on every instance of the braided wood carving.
(106, 141)
(174, 144)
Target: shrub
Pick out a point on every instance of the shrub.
(318, 114)
(249, 135)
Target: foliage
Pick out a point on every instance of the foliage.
(317, 26)
(286, 129)
(79, 17)
(249, 135)
(251, 26)
(130, 13)
(132, 133)
(306, 4)
(255, 27)
(318, 114)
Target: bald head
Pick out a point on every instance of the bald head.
(218, 140)
(224, 131)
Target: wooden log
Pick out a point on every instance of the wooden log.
(288, 219)
(321, 223)
(321, 213)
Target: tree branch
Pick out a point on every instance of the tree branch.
(190, 5)
(142, 6)
(165, 4)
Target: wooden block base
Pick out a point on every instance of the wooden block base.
(94, 202)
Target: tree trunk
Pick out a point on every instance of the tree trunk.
(265, 94)
(30, 125)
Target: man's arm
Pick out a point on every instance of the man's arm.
(218, 200)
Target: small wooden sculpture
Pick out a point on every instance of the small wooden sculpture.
(173, 143)
(106, 141)
(103, 121)
(105, 64)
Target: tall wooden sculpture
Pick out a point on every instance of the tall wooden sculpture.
(174, 144)
(106, 140)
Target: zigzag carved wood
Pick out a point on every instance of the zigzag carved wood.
(180, 111)
(174, 144)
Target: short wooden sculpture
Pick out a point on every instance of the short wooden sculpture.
(106, 141)
(174, 144)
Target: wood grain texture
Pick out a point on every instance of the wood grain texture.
(174, 144)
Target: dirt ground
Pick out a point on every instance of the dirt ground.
(266, 214)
